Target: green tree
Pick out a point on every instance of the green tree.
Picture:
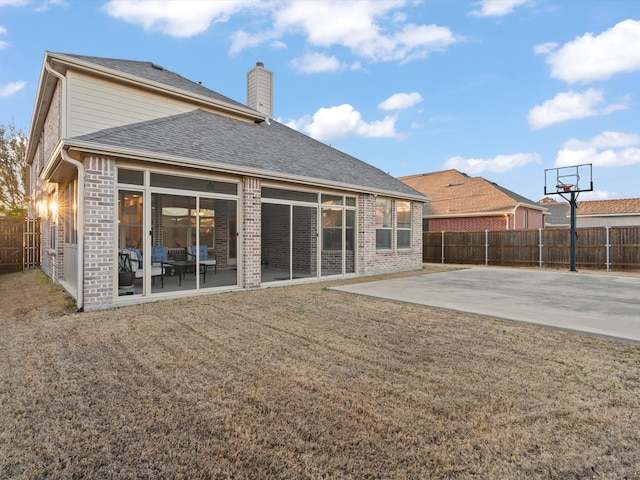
(13, 170)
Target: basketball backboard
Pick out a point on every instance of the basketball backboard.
(576, 178)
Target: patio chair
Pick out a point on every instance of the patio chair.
(159, 254)
(126, 275)
(135, 259)
(204, 257)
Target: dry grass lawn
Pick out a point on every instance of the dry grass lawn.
(302, 382)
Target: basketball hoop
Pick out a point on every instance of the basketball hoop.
(560, 176)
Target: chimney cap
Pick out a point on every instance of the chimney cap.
(259, 64)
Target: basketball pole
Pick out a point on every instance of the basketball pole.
(574, 233)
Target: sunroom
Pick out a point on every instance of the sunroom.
(182, 233)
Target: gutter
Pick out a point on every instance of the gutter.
(132, 154)
(81, 175)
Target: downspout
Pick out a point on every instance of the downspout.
(80, 167)
(515, 223)
(80, 282)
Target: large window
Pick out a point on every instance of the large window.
(403, 210)
(383, 223)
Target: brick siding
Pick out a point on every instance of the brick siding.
(379, 261)
(251, 253)
(99, 231)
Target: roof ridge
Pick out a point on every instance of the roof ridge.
(149, 71)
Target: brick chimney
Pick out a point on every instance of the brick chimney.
(260, 89)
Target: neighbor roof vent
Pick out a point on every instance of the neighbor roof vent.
(157, 67)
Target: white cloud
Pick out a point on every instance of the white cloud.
(13, 3)
(545, 48)
(609, 149)
(497, 8)
(400, 101)
(12, 87)
(343, 121)
(177, 18)
(241, 40)
(370, 29)
(606, 158)
(569, 106)
(44, 6)
(498, 164)
(2, 30)
(316, 63)
(589, 58)
(4, 45)
(361, 28)
(605, 139)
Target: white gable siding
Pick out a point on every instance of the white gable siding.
(95, 104)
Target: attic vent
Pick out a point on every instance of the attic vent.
(157, 67)
(454, 184)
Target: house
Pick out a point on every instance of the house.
(462, 203)
(558, 213)
(622, 212)
(135, 168)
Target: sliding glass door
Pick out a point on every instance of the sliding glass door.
(175, 232)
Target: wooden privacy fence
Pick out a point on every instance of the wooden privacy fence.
(19, 244)
(606, 248)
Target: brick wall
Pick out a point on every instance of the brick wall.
(534, 219)
(251, 210)
(275, 239)
(379, 261)
(52, 131)
(499, 222)
(467, 224)
(99, 232)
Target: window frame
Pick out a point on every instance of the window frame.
(384, 223)
(403, 229)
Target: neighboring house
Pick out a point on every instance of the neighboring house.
(131, 166)
(622, 212)
(558, 213)
(594, 213)
(459, 203)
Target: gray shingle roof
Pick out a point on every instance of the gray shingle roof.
(155, 73)
(269, 147)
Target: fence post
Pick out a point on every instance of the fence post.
(607, 248)
(540, 247)
(486, 247)
(442, 246)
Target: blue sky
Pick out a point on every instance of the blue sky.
(502, 89)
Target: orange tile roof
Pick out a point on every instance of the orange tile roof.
(455, 193)
(609, 207)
